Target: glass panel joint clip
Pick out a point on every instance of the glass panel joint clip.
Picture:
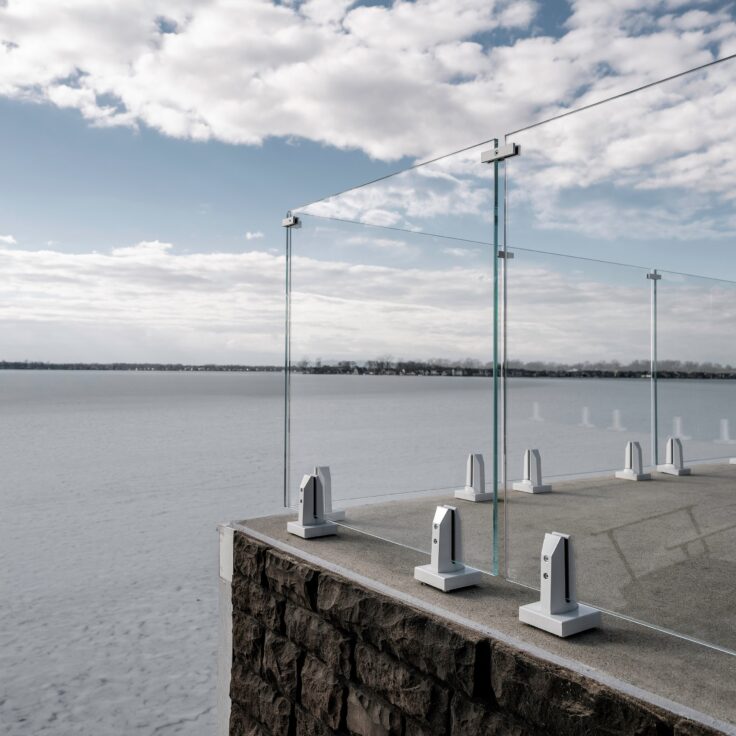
(500, 153)
(291, 221)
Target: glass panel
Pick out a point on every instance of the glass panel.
(577, 363)
(129, 427)
(451, 196)
(644, 179)
(696, 323)
(391, 349)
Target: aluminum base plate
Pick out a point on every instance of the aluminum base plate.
(560, 624)
(525, 486)
(672, 470)
(631, 475)
(326, 529)
(469, 495)
(446, 581)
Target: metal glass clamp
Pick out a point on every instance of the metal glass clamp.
(500, 153)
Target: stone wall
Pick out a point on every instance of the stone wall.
(316, 654)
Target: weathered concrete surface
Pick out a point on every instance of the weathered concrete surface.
(394, 664)
(662, 551)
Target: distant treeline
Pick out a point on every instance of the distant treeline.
(535, 369)
(435, 367)
(34, 365)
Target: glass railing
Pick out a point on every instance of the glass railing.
(598, 354)
(419, 334)
(576, 352)
(391, 323)
(696, 365)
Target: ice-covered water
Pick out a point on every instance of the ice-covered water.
(112, 484)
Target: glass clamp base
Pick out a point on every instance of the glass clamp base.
(673, 470)
(560, 624)
(631, 475)
(446, 581)
(468, 494)
(526, 486)
(325, 529)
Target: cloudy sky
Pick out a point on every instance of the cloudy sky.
(149, 148)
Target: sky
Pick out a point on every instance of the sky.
(150, 148)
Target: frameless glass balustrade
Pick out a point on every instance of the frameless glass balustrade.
(598, 355)
(696, 366)
(391, 381)
(617, 369)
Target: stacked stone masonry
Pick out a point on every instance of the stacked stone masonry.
(315, 654)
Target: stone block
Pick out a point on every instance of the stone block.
(455, 655)
(259, 700)
(368, 715)
(415, 728)
(479, 719)
(251, 598)
(414, 693)
(322, 692)
(313, 633)
(281, 664)
(291, 578)
(248, 556)
(561, 701)
(241, 724)
(308, 725)
(685, 727)
(248, 639)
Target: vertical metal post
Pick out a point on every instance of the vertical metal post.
(504, 387)
(495, 156)
(495, 365)
(288, 225)
(654, 276)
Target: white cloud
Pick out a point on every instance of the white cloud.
(257, 235)
(144, 302)
(457, 252)
(8, 240)
(458, 185)
(144, 249)
(150, 303)
(409, 78)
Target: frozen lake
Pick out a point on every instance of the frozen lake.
(113, 483)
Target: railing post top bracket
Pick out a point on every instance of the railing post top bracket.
(291, 221)
(499, 153)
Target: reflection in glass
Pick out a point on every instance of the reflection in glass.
(592, 362)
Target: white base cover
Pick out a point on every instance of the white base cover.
(326, 529)
(335, 515)
(526, 487)
(447, 581)
(673, 470)
(560, 624)
(465, 494)
(631, 475)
